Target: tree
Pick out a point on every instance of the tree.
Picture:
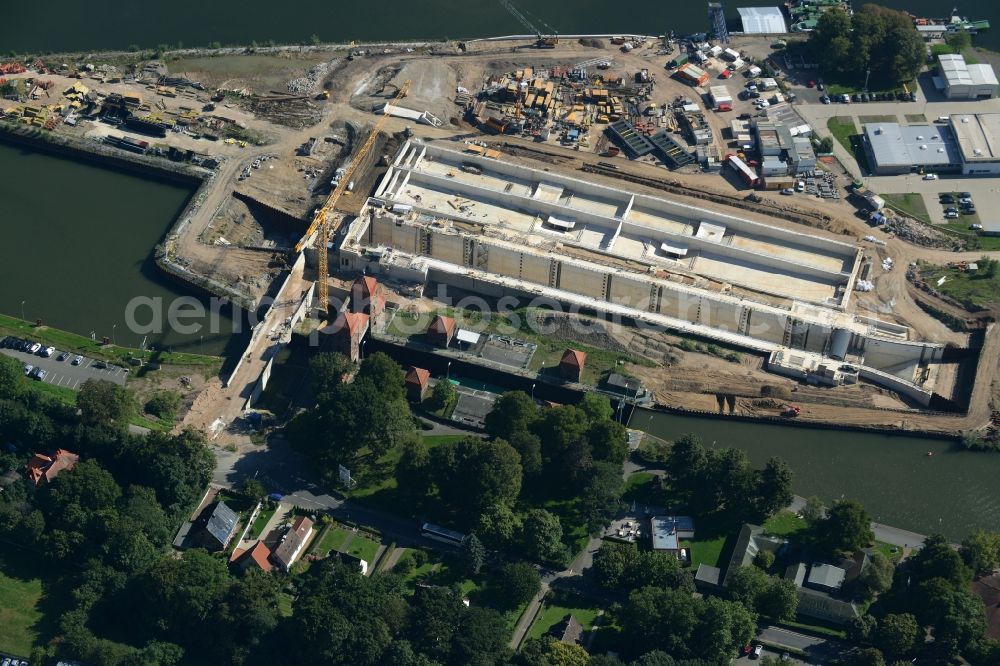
(813, 511)
(774, 488)
(543, 535)
(862, 629)
(164, 405)
(547, 651)
(780, 600)
(443, 395)
(385, 374)
(981, 551)
(897, 634)
(566, 453)
(685, 464)
(764, 559)
(514, 585)
(412, 472)
(747, 585)
(327, 370)
(12, 383)
(610, 562)
(877, 578)
(498, 525)
(608, 441)
(101, 401)
(512, 412)
(473, 554)
(473, 474)
(529, 447)
(601, 494)
(252, 488)
(597, 407)
(937, 559)
(481, 639)
(867, 657)
(959, 40)
(847, 527)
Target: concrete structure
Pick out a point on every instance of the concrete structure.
(571, 365)
(961, 80)
(896, 149)
(978, 137)
(292, 543)
(417, 380)
(511, 230)
(762, 20)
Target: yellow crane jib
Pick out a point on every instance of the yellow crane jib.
(322, 221)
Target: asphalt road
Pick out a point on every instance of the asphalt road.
(65, 374)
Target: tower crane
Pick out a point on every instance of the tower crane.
(547, 39)
(323, 221)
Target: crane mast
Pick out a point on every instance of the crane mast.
(547, 39)
(323, 220)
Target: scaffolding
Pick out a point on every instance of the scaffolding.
(717, 22)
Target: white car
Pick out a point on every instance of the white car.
(77, 360)
(758, 650)
(28, 368)
(34, 348)
(930, 176)
(48, 352)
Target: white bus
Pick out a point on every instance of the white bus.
(442, 534)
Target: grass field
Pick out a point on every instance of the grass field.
(893, 553)
(909, 204)
(364, 548)
(21, 597)
(975, 289)
(554, 613)
(784, 523)
(66, 341)
(843, 128)
(376, 485)
(333, 539)
(877, 119)
(261, 522)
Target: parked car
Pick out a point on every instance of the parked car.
(976, 227)
(810, 84)
(788, 190)
(35, 347)
(951, 209)
(969, 210)
(930, 176)
(758, 650)
(913, 96)
(48, 352)
(63, 356)
(825, 99)
(951, 215)
(946, 199)
(77, 360)
(100, 365)
(965, 201)
(965, 195)
(864, 97)
(855, 97)
(28, 368)
(746, 649)
(40, 374)
(820, 86)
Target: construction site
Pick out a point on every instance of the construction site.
(541, 168)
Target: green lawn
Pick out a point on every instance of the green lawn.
(893, 553)
(644, 488)
(261, 522)
(333, 539)
(843, 128)
(376, 484)
(19, 613)
(554, 613)
(915, 118)
(814, 626)
(66, 341)
(909, 204)
(364, 548)
(971, 289)
(706, 551)
(784, 523)
(285, 604)
(877, 119)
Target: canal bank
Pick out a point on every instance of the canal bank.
(952, 491)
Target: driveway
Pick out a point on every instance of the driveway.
(67, 375)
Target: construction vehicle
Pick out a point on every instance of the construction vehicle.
(547, 39)
(323, 220)
(790, 411)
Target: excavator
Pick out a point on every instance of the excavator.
(324, 222)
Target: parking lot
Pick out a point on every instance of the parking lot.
(64, 373)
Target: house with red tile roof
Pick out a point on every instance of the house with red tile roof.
(42, 468)
(368, 297)
(258, 556)
(417, 380)
(571, 365)
(441, 331)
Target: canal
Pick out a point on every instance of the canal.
(952, 492)
(66, 25)
(77, 247)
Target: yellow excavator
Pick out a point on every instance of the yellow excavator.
(323, 220)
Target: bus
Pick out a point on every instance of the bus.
(442, 534)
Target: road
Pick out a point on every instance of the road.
(67, 375)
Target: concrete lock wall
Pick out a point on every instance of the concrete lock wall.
(626, 290)
(386, 232)
(880, 353)
(448, 247)
(767, 326)
(581, 280)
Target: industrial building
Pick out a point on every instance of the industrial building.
(960, 80)
(762, 20)
(495, 228)
(978, 137)
(894, 149)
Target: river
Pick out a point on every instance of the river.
(62, 25)
(952, 492)
(78, 246)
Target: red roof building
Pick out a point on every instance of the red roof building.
(348, 329)
(42, 468)
(571, 365)
(368, 297)
(417, 381)
(441, 331)
(988, 589)
(252, 557)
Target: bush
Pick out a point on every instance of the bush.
(164, 405)
(406, 564)
(419, 557)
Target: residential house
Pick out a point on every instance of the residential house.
(571, 365)
(568, 631)
(417, 380)
(215, 527)
(349, 559)
(292, 543)
(368, 297)
(42, 468)
(256, 557)
(441, 331)
(667, 532)
(825, 577)
(988, 589)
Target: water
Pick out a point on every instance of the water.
(77, 245)
(952, 492)
(66, 25)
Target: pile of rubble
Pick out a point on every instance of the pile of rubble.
(308, 83)
(921, 234)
